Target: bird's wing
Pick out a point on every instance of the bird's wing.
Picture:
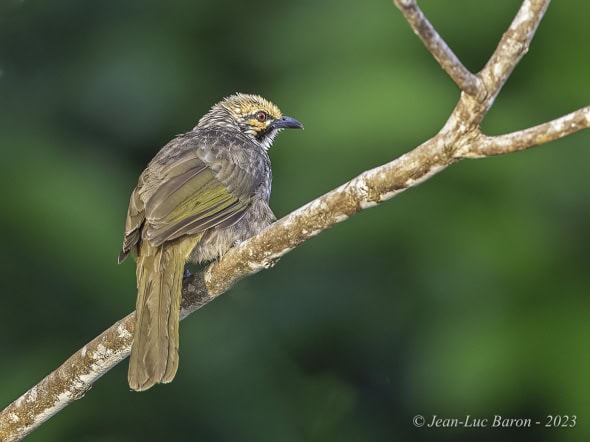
(133, 223)
(190, 200)
(187, 189)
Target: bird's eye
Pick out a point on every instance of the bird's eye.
(261, 116)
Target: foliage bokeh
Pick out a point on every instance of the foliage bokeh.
(466, 295)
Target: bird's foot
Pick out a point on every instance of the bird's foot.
(270, 263)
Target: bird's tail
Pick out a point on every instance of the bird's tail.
(154, 353)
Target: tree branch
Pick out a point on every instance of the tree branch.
(531, 137)
(513, 45)
(438, 48)
(459, 138)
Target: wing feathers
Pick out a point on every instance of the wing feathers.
(189, 203)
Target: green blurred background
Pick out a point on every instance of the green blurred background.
(466, 295)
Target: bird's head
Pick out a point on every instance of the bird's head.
(252, 115)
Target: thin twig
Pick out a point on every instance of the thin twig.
(486, 146)
(467, 82)
(512, 46)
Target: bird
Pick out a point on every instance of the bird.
(204, 192)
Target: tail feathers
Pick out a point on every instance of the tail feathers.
(154, 353)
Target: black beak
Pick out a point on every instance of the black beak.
(287, 123)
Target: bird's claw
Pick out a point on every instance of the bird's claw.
(270, 263)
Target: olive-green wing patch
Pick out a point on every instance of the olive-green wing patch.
(189, 202)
